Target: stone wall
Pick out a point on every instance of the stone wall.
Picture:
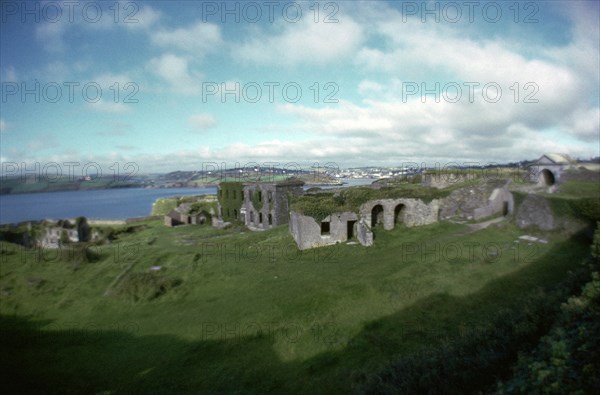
(411, 212)
(536, 212)
(500, 201)
(309, 234)
(267, 205)
(442, 179)
(477, 201)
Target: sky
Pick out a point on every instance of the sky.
(182, 85)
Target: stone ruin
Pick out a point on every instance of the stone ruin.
(475, 202)
(483, 200)
(345, 226)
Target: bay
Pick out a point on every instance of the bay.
(105, 204)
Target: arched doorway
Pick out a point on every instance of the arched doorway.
(376, 215)
(505, 209)
(399, 214)
(546, 178)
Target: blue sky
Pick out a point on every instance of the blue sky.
(361, 67)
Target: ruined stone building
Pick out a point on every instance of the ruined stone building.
(199, 210)
(258, 205)
(53, 236)
(344, 226)
(477, 201)
(487, 198)
(184, 215)
(263, 205)
(230, 197)
(549, 168)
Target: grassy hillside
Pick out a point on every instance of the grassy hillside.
(232, 312)
(51, 183)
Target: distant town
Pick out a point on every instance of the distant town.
(328, 174)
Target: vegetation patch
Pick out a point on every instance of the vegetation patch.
(207, 207)
(321, 205)
(566, 359)
(231, 197)
(336, 319)
(584, 208)
(256, 202)
(144, 287)
(164, 206)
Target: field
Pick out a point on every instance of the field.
(231, 312)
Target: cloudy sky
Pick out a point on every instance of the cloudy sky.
(174, 85)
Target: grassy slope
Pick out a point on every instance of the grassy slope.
(285, 321)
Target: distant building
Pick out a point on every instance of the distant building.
(185, 215)
(56, 235)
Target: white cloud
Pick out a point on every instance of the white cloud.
(584, 124)
(304, 42)
(367, 87)
(202, 121)
(175, 70)
(144, 18)
(3, 126)
(198, 39)
(430, 53)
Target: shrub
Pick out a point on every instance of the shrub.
(567, 360)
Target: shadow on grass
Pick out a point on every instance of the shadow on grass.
(85, 361)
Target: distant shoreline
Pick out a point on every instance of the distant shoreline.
(141, 186)
(3, 193)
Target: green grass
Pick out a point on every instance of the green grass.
(249, 313)
(321, 205)
(53, 183)
(578, 189)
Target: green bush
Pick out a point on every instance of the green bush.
(596, 243)
(567, 360)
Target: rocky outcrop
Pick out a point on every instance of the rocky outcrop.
(535, 211)
(478, 201)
